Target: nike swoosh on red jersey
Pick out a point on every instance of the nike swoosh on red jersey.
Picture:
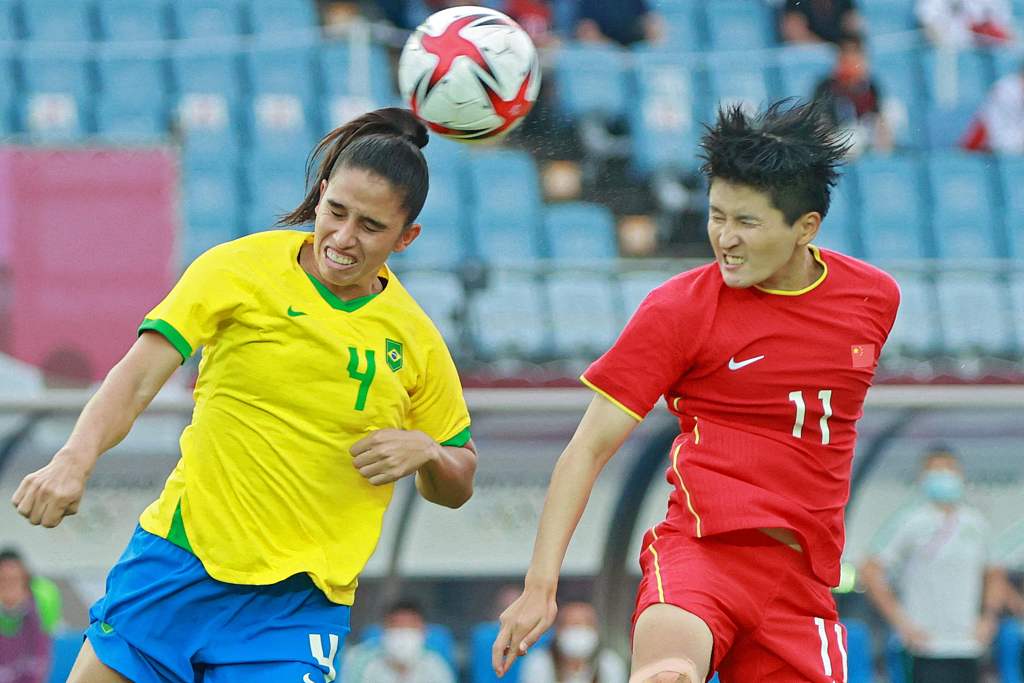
(736, 365)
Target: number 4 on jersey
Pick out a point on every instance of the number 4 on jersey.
(825, 396)
(364, 377)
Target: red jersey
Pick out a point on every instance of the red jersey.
(767, 386)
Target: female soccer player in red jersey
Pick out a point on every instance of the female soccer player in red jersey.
(765, 357)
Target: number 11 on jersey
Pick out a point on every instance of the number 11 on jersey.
(825, 396)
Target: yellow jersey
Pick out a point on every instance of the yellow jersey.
(290, 378)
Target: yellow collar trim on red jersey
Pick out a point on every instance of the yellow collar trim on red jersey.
(797, 292)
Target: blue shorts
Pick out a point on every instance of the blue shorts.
(164, 620)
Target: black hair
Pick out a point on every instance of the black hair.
(790, 151)
(7, 554)
(853, 38)
(386, 142)
(406, 605)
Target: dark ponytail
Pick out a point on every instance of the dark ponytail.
(386, 142)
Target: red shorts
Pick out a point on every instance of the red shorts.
(771, 618)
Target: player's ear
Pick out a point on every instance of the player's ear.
(808, 226)
(407, 237)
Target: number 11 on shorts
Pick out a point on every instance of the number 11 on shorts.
(826, 660)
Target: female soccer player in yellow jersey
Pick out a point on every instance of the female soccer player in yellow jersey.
(321, 384)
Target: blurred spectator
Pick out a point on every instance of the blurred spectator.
(575, 654)
(535, 16)
(999, 124)
(948, 595)
(624, 22)
(401, 655)
(965, 23)
(816, 21)
(25, 647)
(853, 97)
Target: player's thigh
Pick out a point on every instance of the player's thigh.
(89, 669)
(668, 636)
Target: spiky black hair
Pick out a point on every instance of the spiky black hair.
(789, 150)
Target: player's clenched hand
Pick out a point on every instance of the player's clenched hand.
(387, 455)
(522, 624)
(50, 494)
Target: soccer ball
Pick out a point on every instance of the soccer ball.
(469, 73)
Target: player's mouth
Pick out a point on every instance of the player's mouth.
(731, 262)
(337, 260)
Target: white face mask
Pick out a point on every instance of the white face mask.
(578, 642)
(403, 645)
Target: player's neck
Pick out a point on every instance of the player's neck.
(802, 271)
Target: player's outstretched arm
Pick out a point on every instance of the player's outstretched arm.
(600, 434)
(48, 495)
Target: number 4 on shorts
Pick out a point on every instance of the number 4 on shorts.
(316, 648)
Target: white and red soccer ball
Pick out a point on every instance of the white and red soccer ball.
(469, 73)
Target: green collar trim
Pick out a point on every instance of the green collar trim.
(336, 303)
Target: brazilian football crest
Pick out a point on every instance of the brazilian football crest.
(393, 352)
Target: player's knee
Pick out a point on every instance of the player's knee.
(676, 670)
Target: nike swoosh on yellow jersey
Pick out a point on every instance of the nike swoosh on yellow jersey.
(292, 313)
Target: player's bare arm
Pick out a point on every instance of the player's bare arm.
(601, 432)
(53, 492)
(444, 474)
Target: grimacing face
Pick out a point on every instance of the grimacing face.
(359, 223)
(753, 243)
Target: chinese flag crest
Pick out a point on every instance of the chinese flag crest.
(863, 355)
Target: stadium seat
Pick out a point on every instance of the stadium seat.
(509, 317)
(205, 108)
(975, 319)
(65, 651)
(1007, 650)
(50, 73)
(279, 128)
(57, 104)
(444, 240)
(590, 80)
(914, 332)
(131, 120)
(8, 25)
(211, 194)
(439, 639)
(963, 81)
(839, 229)
(57, 20)
(580, 232)
(505, 181)
(206, 18)
(584, 313)
(1011, 179)
(282, 70)
(634, 287)
(739, 25)
(664, 128)
(735, 82)
(802, 68)
(8, 95)
(440, 295)
(683, 22)
(354, 80)
(899, 82)
(1007, 60)
(272, 189)
(892, 209)
(1017, 306)
(501, 237)
(858, 651)
(946, 126)
(272, 16)
(130, 79)
(963, 204)
(881, 18)
(129, 20)
(208, 74)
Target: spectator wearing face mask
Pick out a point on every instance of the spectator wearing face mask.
(401, 655)
(931, 577)
(575, 654)
(24, 644)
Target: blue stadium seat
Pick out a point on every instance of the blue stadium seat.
(963, 204)
(272, 189)
(279, 128)
(1007, 60)
(892, 208)
(271, 16)
(665, 130)
(584, 313)
(839, 229)
(509, 317)
(858, 651)
(58, 91)
(438, 639)
(915, 330)
(130, 79)
(802, 68)
(8, 95)
(739, 25)
(57, 20)
(1006, 651)
(735, 82)
(65, 651)
(580, 231)
(634, 286)
(211, 195)
(946, 126)
(973, 308)
(481, 639)
(590, 81)
(1017, 305)
(131, 120)
(683, 22)
(128, 20)
(443, 242)
(899, 81)
(965, 84)
(209, 127)
(1011, 179)
(8, 25)
(206, 18)
(354, 81)
(282, 70)
(440, 295)
(207, 73)
(888, 17)
(42, 73)
(505, 181)
(505, 238)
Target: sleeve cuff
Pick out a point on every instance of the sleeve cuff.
(172, 335)
(632, 413)
(459, 440)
